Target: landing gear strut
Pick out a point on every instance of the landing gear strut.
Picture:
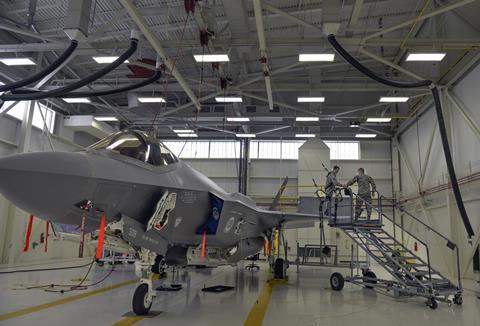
(144, 293)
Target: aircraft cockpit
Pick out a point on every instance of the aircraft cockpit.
(137, 145)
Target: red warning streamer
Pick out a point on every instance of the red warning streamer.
(46, 237)
(101, 235)
(204, 242)
(29, 233)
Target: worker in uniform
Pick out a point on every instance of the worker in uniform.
(365, 194)
(331, 185)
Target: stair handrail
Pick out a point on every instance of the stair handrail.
(380, 211)
(450, 244)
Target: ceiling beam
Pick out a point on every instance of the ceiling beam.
(257, 7)
(155, 42)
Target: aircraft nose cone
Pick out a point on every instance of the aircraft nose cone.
(47, 185)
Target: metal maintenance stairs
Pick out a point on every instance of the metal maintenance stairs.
(411, 272)
(411, 275)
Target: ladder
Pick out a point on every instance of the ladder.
(411, 275)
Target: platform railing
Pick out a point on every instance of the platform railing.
(449, 243)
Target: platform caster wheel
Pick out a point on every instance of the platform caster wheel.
(279, 268)
(432, 304)
(372, 279)
(458, 300)
(141, 302)
(100, 263)
(337, 281)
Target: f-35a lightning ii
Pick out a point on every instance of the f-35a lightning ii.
(154, 204)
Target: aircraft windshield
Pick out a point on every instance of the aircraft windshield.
(137, 147)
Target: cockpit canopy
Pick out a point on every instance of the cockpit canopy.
(137, 145)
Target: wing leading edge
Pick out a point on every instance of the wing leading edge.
(289, 220)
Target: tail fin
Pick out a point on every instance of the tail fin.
(276, 200)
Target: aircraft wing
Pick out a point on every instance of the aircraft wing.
(290, 220)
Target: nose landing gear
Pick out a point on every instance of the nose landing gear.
(144, 293)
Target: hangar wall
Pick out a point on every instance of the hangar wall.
(439, 208)
(13, 221)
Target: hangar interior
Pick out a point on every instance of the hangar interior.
(247, 93)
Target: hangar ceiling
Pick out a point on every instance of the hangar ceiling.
(374, 31)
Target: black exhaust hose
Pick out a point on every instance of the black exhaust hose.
(448, 160)
(39, 75)
(154, 78)
(66, 89)
(440, 119)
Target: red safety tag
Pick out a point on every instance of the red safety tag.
(46, 237)
(204, 242)
(29, 233)
(101, 235)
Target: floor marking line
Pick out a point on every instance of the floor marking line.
(257, 313)
(128, 321)
(51, 304)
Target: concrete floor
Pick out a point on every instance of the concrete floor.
(305, 300)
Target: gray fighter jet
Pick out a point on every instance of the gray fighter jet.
(155, 204)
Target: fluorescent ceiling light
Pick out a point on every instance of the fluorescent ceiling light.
(365, 135)
(77, 100)
(307, 119)
(304, 135)
(379, 119)
(231, 99)
(308, 57)
(17, 61)
(311, 99)
(106, 119)
(245, 135)
(393, 99)
(151, 100)
(107, 59)
(211, 57)
(425, 56)
(238, 119)
(183, 131)
(187, 135)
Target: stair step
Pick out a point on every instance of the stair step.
(404, 257)
(421, 273)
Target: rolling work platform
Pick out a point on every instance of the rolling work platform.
(411, 274)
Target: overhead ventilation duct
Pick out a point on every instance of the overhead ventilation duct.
(441, 123)
(39, 75)
(85, 81)
(77, 19)
(89, 125)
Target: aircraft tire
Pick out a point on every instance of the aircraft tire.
(373, 279)
(140, 304)
(156, 266)
(337, 281)
(279, 268)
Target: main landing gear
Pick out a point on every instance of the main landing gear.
(144, 293)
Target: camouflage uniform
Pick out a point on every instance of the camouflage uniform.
(364, 192)
(330, 184)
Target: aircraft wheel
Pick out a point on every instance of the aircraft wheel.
(458, 300)
(279, 268)
(156, 266)
(373, 279)
(141, 302)
(432, 303)
(337, 281)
